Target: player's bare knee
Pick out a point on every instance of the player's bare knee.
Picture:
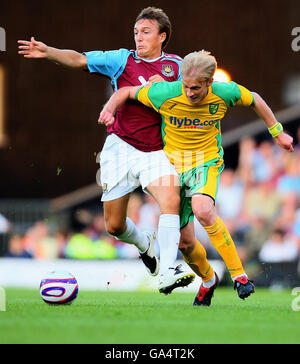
(204, 210)
(205, 215)
(205, 219)
(115, 228)
(169, 204)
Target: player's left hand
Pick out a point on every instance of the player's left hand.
(156, 78)
(106, 118)
(285, 141)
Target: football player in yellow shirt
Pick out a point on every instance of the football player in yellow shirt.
(191, 111)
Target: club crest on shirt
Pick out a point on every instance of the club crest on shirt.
(213, 108)
(167, 70)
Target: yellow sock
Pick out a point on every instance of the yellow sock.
(198, 262)
(223, 243)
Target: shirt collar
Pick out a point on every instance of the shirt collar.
(149, 60)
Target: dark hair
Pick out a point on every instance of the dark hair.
(161, 17)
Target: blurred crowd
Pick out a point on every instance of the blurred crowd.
(259, 202)
(86, 238)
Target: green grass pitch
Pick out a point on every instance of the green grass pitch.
(150, 318)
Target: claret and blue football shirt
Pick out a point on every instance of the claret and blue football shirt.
(136, 124)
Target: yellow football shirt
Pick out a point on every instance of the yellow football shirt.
(192, 133)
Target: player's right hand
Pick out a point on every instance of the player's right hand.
(106, 118)
(32, 48)
(285, 141)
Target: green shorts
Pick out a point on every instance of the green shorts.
(204, 180)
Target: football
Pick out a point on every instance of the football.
(59, 288)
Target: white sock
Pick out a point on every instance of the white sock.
(241, 275)
(210, 283)
(168, 239)
(134, 236)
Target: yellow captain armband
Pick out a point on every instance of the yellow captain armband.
(276, 129)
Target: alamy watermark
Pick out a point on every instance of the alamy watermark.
(120, 166)
(296, 300)
(2, 299)
(296, 41)
(2, 40)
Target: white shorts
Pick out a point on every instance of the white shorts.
(124, 168)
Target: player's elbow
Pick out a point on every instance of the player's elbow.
(128, 92)
(82, 62)
(123, 94)
(257, 98)
(74, 60)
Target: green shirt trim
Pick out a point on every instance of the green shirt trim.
(160, 92)
(227, 91)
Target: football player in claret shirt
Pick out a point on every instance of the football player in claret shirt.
(133, 155)
(191, 113)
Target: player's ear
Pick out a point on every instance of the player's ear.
(163, 37)
(209, 82)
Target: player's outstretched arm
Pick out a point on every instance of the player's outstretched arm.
(284, 140)
(117, 100)
(38, 50)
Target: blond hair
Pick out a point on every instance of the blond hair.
(199, 65)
